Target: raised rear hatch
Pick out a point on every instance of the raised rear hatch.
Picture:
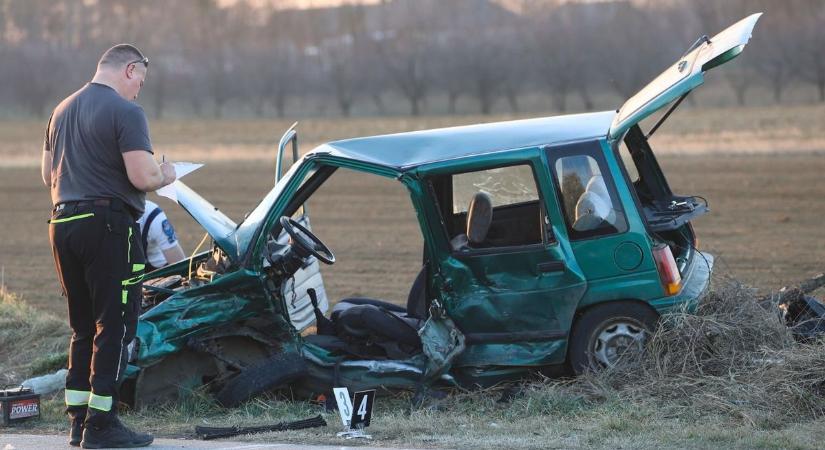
(684, 75)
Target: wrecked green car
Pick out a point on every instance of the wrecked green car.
(547, 242)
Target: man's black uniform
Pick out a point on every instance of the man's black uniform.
(95, 238)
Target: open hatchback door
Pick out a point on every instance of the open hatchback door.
(685, 75)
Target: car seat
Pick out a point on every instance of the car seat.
(390, 327)
(479, 218)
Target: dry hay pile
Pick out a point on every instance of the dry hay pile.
(734, 356)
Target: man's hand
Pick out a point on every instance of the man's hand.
(145, 173)
(168, 171)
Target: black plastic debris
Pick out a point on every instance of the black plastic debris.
(207, 433)
(805, 315)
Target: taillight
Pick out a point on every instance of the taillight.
(668, 272)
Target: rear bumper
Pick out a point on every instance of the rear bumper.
(694, 285)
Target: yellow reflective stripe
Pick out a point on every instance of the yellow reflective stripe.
(77, 398)
(124, 297)
(69, 219)
(100, 402)
(138, 267)
(131, 281)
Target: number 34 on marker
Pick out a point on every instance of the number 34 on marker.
(354, 419)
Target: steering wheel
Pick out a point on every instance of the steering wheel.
(307, 243)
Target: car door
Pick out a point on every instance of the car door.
(294, 290)
(514, 294)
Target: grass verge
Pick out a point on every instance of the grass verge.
(32, 342)
(728, 376)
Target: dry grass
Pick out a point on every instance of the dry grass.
(734, 357)
(729, 376)
(31, 341)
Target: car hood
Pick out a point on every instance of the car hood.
(220, 227)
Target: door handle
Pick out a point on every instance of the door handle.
(551, 266)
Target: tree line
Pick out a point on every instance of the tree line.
(218, 58)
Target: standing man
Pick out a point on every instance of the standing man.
(98, 164)
(158, 238)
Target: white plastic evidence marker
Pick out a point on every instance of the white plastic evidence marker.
(355, 420)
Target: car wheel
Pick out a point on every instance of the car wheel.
(605, 333)
(271, 373)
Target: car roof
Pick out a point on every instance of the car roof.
(404, 151)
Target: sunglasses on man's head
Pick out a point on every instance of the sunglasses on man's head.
(144, 61)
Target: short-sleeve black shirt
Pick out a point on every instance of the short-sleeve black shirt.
(87, 135)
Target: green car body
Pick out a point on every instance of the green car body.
(494, 312)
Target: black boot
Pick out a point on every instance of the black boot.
(107, 431)
(77, 416)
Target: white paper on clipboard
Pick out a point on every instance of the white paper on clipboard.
(182, 169)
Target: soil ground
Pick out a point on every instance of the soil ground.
(765, 222)
(758, 166)
(760, 169)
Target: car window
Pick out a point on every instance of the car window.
(588, 197)
(506, 208)
(505, 185)
(627, 161)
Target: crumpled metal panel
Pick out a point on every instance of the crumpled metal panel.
(441, 342)
(213, 220)
(507, 294)
(518, 353)
(166, 328)
(358, 374)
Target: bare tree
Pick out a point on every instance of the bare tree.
(558, 60)
(634, 46)
(250, 57)
(775, 63)
(811, 50)
(448, 71)
(405, 55)
(740, 79)
(341, 57)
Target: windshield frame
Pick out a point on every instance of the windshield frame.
(250, 227)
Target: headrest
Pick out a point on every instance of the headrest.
(594, 206)
(591, 210)
(479, 217)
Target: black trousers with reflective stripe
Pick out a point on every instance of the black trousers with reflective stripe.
(99, 261)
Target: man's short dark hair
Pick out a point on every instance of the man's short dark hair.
(119, 55)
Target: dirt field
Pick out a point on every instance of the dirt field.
(765, 222)
(760, 168)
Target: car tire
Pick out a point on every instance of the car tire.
(606, 331)
(274, 372)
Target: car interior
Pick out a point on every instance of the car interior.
(500, 212)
